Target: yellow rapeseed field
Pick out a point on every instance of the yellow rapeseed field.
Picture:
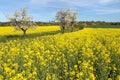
(8, 30)
(88, 54)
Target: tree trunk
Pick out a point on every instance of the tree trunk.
(62, 29)
(24, 32)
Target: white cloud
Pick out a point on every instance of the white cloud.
(39, 2)
(96, 5)
(91, 2)
(106, 11)
(107, 2)
(79, 3)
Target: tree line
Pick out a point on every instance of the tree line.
(53, 23)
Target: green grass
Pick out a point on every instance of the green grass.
(104, 26)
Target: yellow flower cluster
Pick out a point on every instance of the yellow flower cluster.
(89, 54)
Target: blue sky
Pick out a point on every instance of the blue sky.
(45, 10)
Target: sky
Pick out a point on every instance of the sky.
(45, 10)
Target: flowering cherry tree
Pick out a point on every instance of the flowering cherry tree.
(21, 20)
(67, 19)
